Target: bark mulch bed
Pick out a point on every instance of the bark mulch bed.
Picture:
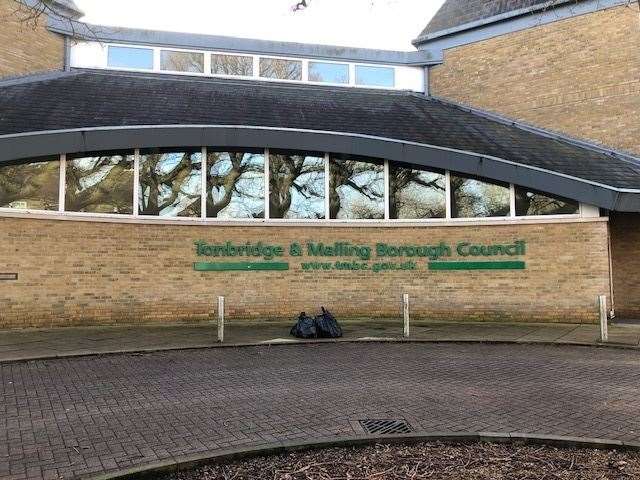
(434, 461)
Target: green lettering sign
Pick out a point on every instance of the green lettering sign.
(345, 256)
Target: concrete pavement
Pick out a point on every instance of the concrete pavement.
(61, 342)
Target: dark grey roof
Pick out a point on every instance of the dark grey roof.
(66, 8)
(455, 13)
(85, 99)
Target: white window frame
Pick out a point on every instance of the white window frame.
(326, 190)
(375, 65)
(331, 62)
(255, 63)
(288, 59)
(154, 54)
(184, 50)
(243, 219)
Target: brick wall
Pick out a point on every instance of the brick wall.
(78, 273)
(25, 49)
(580, 76)
(625, 248)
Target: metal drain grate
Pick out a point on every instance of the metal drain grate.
(385, 427)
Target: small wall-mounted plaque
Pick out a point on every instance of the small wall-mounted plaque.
(8, 277)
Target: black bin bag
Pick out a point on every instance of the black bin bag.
(305, 327)
(327, 325)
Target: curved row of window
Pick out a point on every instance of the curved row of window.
(230, 184)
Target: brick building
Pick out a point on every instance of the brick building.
(492, 173)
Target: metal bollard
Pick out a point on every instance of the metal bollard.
(405, 312)
(604, 331)
(220, 319)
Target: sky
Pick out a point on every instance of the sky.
(382, 24)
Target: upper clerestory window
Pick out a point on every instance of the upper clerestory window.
(176, 61)
(130, 57)
(328, 72)
(375, 76)
(281, 69)
(240, 65)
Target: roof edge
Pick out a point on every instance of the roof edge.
(36, 77)
(422, 38)
(541, 9)
(555, 135)
(104, 33)
(67, 8)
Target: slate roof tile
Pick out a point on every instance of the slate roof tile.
(93, 99)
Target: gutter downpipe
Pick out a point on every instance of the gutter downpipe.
(67, 54)
(612, 311)
(426, 81)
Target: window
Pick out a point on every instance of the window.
(416, 193)
(530, 202)
(356, 189)
(32, 186)
(471, 197)
(328, 72)
(235, 184)
(100, 183)
(375, 76)
(129, 57)
(192, 62)
(231, 65)
(281, 69)
(296, 185)
(170, 183)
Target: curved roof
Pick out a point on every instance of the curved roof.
(91, 110)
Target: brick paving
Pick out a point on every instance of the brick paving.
(66, 418)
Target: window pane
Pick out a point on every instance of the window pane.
(416, 193)
(235, 184)
(476, 198)
(191, 62)
(281, 69)
(375, 76)
(530, 202)
(328, 72)
(170, 184)
(128, 57)
(100, 184)
(231, 65)
(356, 189)
(30, 185)
(296, 185)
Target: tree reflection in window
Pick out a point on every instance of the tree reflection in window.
(471, 197)
(31, 186)
(296, 185)
(231, 65)
(416, 194)
(235, 184)
(281, 68)
(356, 189)
(170, 183)
(177, 61)
(100, 183)
(531, 202)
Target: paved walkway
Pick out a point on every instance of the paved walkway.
(32, 344)
(66, 418)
